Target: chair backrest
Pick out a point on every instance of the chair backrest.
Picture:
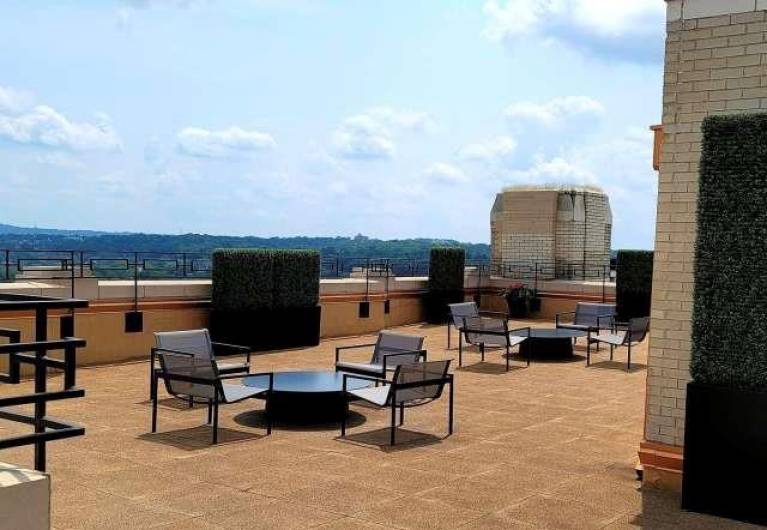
(474, 326)
(638, 328)
(189, 366)
(460, 311)
(593, 314)
(433, 375)
(194, 341)
(391, 342)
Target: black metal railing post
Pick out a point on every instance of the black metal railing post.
(7, 264)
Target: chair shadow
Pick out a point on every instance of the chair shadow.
(257, 419)
(546, 359)
(198, 438)
(489, 368)
(618, 365)
(380, 438)
(173, 403)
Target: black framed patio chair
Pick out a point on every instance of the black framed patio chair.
(186, 375)
(635, 332)
(465, 310)
(487, 332)
(199, 343)
(389, 351)
(411, 385)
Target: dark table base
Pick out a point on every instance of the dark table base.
(307, 407)
(547, 347)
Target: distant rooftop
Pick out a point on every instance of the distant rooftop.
(569, 188)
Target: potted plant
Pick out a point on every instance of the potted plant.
(726, 403)
(521, 300)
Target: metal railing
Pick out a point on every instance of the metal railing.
(71, 265)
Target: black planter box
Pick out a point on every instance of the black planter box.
(436, 302)
(725, 452)
(271, 329)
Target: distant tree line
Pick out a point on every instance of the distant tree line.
(358, 247)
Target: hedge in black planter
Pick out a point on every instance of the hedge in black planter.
(633, 289)
(521, 301)
(725, 453)
(446, 272)
(265, 299)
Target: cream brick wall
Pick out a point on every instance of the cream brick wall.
(714, 65)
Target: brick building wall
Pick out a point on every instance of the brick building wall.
(716, 62)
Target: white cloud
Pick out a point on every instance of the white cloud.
(195, 141)
(44, 126)
(372, 134)
(624, 28)
(501, 148)
(555, 112)
(556, 170)
(446, 174)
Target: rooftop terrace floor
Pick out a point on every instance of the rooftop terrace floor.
(550, 446)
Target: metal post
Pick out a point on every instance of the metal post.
(41, 335)
(135, 281)
(183, 261)
(7, 265)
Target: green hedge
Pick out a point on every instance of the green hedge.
(633, 283)
(243, 279)
(729, 325)
(262, 279)
(446, 268)
(296, 278)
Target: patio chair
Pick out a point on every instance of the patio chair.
(389, 351)
(635, 332)
(198, 343)
(412, 385)
(485, 332)
(188, 375)
(466, 309)
(588, 316)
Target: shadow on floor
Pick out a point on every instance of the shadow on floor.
(257, 419)
(196, 438)
(380, 438)
(488, 368)
(617, 365)
(661, 509)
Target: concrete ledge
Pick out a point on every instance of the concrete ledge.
(691, 9)
(25, 498)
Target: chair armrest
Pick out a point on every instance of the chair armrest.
(421, 353)
(339, 348)
(495, 314)
(156, 350)
(563, 314)
(366, 378)
(526, 328)
(224, 349)
(270, 375)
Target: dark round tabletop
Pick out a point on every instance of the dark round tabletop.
(551, 333)
(310, 382)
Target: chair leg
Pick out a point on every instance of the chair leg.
(460, 349)
(402, 414)
(508, 354)
(448, 335)
(154, 402)
(450, 411)
(482, 350)
(628, 366)
(612, 352)
(269, 420)
(191, 402)
(588, 355)
(210, 412)
(215, 420)
(393, 422)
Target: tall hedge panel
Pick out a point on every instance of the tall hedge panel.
(242, 279)
(446, 268)
(446, 274)
(729, 328)
(296, 278)
(633, 288)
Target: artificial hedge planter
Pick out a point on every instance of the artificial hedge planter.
(725, 452)
(633, 289)
(446, 272)
(266, 299)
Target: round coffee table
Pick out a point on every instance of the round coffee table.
(557, 342)
(308, 396)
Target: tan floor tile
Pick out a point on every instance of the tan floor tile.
(277, 515)
(339, 496)
(552, 512)
(418, 512)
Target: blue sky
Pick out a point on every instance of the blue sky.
(308, 117)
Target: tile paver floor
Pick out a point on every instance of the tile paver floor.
(550, 446)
